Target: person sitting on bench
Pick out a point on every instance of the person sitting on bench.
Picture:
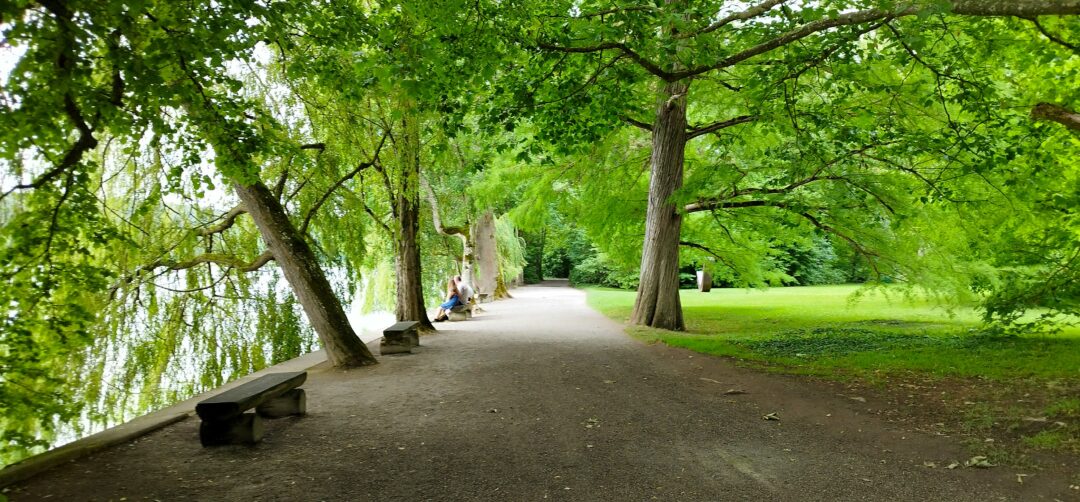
(453, 299)
(465, 289)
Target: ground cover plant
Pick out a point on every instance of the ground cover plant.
(938, 366)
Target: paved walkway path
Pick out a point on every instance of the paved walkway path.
(542, 398)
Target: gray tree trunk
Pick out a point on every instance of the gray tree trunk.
(302, 270)
(657, 303)
(487, 254)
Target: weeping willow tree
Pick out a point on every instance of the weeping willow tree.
(124, 258)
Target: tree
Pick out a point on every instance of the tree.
(664, 50)
(94, 74)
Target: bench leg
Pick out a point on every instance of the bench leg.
(292, 402)
(401, 345)
(246, 428)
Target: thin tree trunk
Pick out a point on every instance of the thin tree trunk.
(657, 303)
(410, 291)
(302, 270)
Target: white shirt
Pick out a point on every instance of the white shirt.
(465, 291)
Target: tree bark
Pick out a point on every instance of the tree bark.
(305, 276)
(468, 250)
(487, 254)
(410, 291)
(1063, 116)
(657, 303)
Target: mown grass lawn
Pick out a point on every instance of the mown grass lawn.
(881, 338)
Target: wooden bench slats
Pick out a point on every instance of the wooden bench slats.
(235, 401)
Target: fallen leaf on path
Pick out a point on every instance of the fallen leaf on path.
(771, 416)
(978, 461)
(708, 380)
(609, 381)
(733, 392)
(1034, 419)
(931, 465)
(1020, 478)
(592, 422)
(953, 465)
(858, 398)
(493, 410)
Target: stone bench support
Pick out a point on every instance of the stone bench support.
(275, 395)
(400, 338)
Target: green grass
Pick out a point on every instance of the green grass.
(822, 329)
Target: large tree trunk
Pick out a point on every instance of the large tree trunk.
(410, 289)
(487, 255)
(657, 303)
(302, 270)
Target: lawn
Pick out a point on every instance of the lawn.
(883, 339)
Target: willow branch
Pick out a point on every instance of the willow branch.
(219, 259)
(228, 220)
(341, 181)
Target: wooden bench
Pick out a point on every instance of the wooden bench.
(275, 395)
(400, 338)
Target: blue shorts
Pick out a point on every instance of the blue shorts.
(454, 301)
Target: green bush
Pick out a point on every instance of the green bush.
(594, 270)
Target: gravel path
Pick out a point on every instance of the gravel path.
(542, 398)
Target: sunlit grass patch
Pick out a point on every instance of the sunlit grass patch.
(821, 328)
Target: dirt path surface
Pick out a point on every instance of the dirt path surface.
(542, 398)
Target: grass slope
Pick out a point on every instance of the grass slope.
(1000, 383)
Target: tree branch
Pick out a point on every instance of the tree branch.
(462, 232)
(643, 62)
(350, 175)
(636, 123)
(228, 220)
(714, 254)
(713, 204)
(869, 255)
(1057, 40)
(716, 126)
(1018, 8)
(220, 259)
(1063, 116)
(753, 11)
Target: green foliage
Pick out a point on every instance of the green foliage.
(596, 270)
(511, 249)
(899, 152)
